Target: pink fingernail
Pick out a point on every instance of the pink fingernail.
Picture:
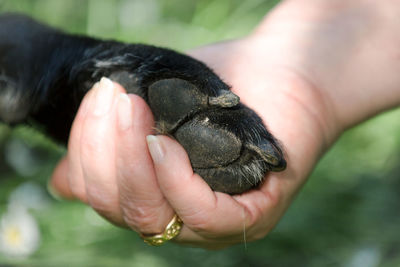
(124, 111)
(104, 97)
(155, 148)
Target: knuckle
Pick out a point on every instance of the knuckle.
(141, 219)
(101, 202)
(77, 189)
(201, 227)
(200, 222)
(79, 193)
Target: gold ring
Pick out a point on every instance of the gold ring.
(172, 230)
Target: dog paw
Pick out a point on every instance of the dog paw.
(227, 143)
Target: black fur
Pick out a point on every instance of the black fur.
(45, 73)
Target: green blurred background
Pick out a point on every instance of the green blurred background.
(348, 214)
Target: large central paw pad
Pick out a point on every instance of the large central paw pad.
(227, 143)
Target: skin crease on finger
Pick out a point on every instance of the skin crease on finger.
(300, 114)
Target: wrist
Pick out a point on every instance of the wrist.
(347, 51)
(365, 80)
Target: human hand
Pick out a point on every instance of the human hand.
(286, 72)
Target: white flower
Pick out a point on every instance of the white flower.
(19, 233)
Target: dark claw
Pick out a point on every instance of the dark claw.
(270, 154)
(226, 100)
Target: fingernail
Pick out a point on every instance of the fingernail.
(124, 110)
(155, 148)
(104, 97)
(53, 192)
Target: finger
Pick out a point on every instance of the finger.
(143, 206)
(73, 172)
(97, 151)
(206, 213)
(58, 185)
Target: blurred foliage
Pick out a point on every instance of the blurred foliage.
(348, 214)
